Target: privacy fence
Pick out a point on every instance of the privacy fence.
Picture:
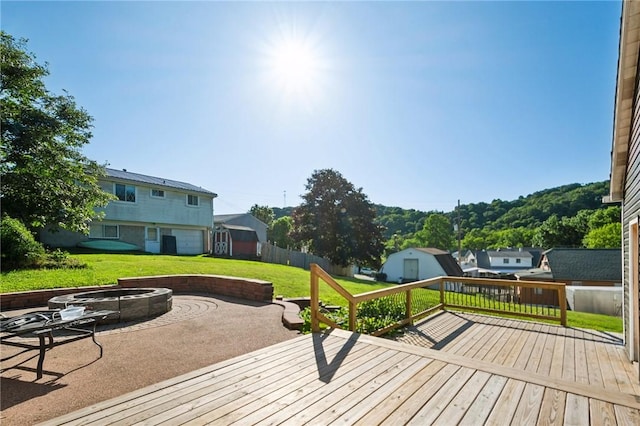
(282, 256)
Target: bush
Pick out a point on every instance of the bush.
(58, 259)
(371, 316)
(20, 250)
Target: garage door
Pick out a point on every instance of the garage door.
(188, 241)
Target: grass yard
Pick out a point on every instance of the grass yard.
(105, 269)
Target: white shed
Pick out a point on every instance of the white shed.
(415, 264)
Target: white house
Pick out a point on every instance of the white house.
(509, 260)
(415, 264)
(153, 214)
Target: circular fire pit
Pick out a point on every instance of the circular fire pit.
(132, 303)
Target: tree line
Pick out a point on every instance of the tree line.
(566, 216)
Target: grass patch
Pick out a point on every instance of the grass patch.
(105, 269)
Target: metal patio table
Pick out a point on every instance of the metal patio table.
(17, 330)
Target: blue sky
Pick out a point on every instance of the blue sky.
(418, 103)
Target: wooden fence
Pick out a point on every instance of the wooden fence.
(274, 254)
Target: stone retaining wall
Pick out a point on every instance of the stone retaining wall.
(242, 288)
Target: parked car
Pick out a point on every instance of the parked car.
(368, 271)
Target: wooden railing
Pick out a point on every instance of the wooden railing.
(412, 301)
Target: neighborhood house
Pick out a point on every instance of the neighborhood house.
(152, 214)
(414, 264)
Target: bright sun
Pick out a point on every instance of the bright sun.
(296, 68)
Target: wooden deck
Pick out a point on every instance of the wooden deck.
(458, 369)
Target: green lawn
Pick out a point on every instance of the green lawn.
(105, 269)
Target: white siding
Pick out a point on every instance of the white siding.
(428, 266)
(170, 210)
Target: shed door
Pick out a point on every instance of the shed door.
(188, 241)
(410, 270)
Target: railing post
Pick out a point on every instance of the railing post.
(353, 307)
(408, 306)
(442, 292)
(315, 299)
(562, 300)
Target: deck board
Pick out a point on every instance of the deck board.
(482, 371)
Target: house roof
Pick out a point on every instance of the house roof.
(241, 233)
(509, 253)
(446, 261)
(534, 274)
(223, 218)
(237, 227)
(157, 181)
(585, 264)
(625, 92)
(482, 259)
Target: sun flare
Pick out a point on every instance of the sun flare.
(296, 68)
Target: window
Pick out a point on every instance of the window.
(518, 260)
(158, 193)
(152, 234)
(192, 200)
(104, 231)
(505, 260)
(126, 192)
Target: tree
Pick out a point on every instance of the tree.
(264, 213)
(280, 230)
(337, 221)
(437, 232)
(514, 237)
(607, 236)
(602, 217)
(476, 239)
(45, 179)
(565, 232)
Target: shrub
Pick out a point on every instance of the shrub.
(20, 250)
(371, 316)
(58, 259)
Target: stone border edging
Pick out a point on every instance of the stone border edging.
(290, 317)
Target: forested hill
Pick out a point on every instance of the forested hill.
(528, 212)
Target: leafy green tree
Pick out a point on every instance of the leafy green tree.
(476, 239)
(263, 213)
(607, 236)
(437, 232)
(602, 217)
(514, 237)
(565, 232)
(45, 179)
(393, 244)
(280, 230)
(337, 221)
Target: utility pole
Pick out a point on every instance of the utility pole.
(285, 199)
